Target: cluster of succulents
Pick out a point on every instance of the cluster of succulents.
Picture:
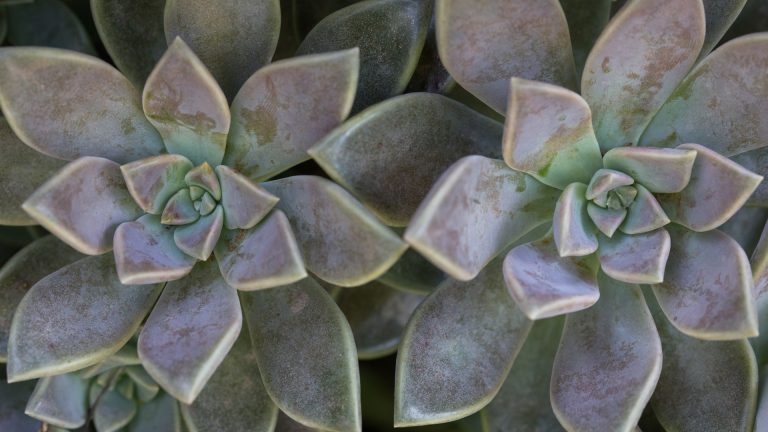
(551, 211)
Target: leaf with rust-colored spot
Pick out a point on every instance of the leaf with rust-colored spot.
(60, 400)
(478, 208)
(608, 362)
(199, 318)
(75, 317)
(457, 350)
(707, 291)
(625, 87)
(95, 111)
(485, 43)
(233, 39)
(183, 101)
(306, 354)
(288, 106)
(64, 204)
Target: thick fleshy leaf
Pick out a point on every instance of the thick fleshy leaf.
(199, 318)
(93, 105)
(60, 400)
(159, 414)
(203, 176)
(543, 284)
(635, 259)
(340, 241)
(83, 204)
(573, 230)
(707, 291)
(608, 362)
(132, 33)
(234, 399)
(13, 399)
(126, 356)
(48, 23)
(285, 108)
(113, 410)
(152, 181)
(746, 227)
(306, 354)
(549, 134)
(180, 209)
(522, 403)
(245, 203)
(390, 35)
(659, 170)
(720, 15)
(457, 350)
(477, 209)
(265, 256)
(199, 239)
(377, 314)
(607, 220)
(75, 317)
(374, 151)
(145, 253)
(721, 104)
(704, 385)
(233, 39)
(718, 188)
(625, 87)
(413, 273)
(761, 421)
(146, 387)
(484, 43)
(586, 19)
(206, 204)
(606, 180)
(287, 424)
(22, 271)
(184, 102)
(645, 214)
(757, 162)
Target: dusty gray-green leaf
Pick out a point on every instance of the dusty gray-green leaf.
(586, 20)
(720, 15)
(635, 259)
(233, 39)
(757, 162)
(245, 203)
(720, 104)
(264, 256)
(132, 33)
(573, 230)
(189, 332)
(287, 424)
(48, 23)
(113, 410)
(286, 107)
(645, 214)
(13, 399)
(64, 204)
(306, 354)
(413, 273)
(159, 414)
(390, 35)
(475, 210)
(704, 385)
(608, 362)
(485, 43)
(234, 399)
(415, 137)
(184, 102)
(95, 111)
(657, 169)
(22, 171)
(625, 87)
(153, 181)
(340, 241)
(457, 350)
(199, 239)
(60, 400)
(75, 317)
(522, 403)
(22, 271)
(707, 291)
(126, 356)
(377, 314)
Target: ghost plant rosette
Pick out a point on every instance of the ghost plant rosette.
(173, 189)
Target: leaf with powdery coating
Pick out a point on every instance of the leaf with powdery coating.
(60, 400)
(88, 315)
(484, 43)
(477, 209)
(199, 239)
(184, 102)
(288, 106)
(645, 214)
(306, 354)
(574, 233)
(94, 111)
(457, 350)
(625, 87)
(340, 241)
(65, 204)
(720, 15)
(707, 291)
(200, 317)
(159, 414)
(637, 259)
(152, 181)
(608, 362)
(372, 152)
(245, 203)
(659, 170)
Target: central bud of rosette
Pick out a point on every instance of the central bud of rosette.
(196, 202)
(610, 195)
